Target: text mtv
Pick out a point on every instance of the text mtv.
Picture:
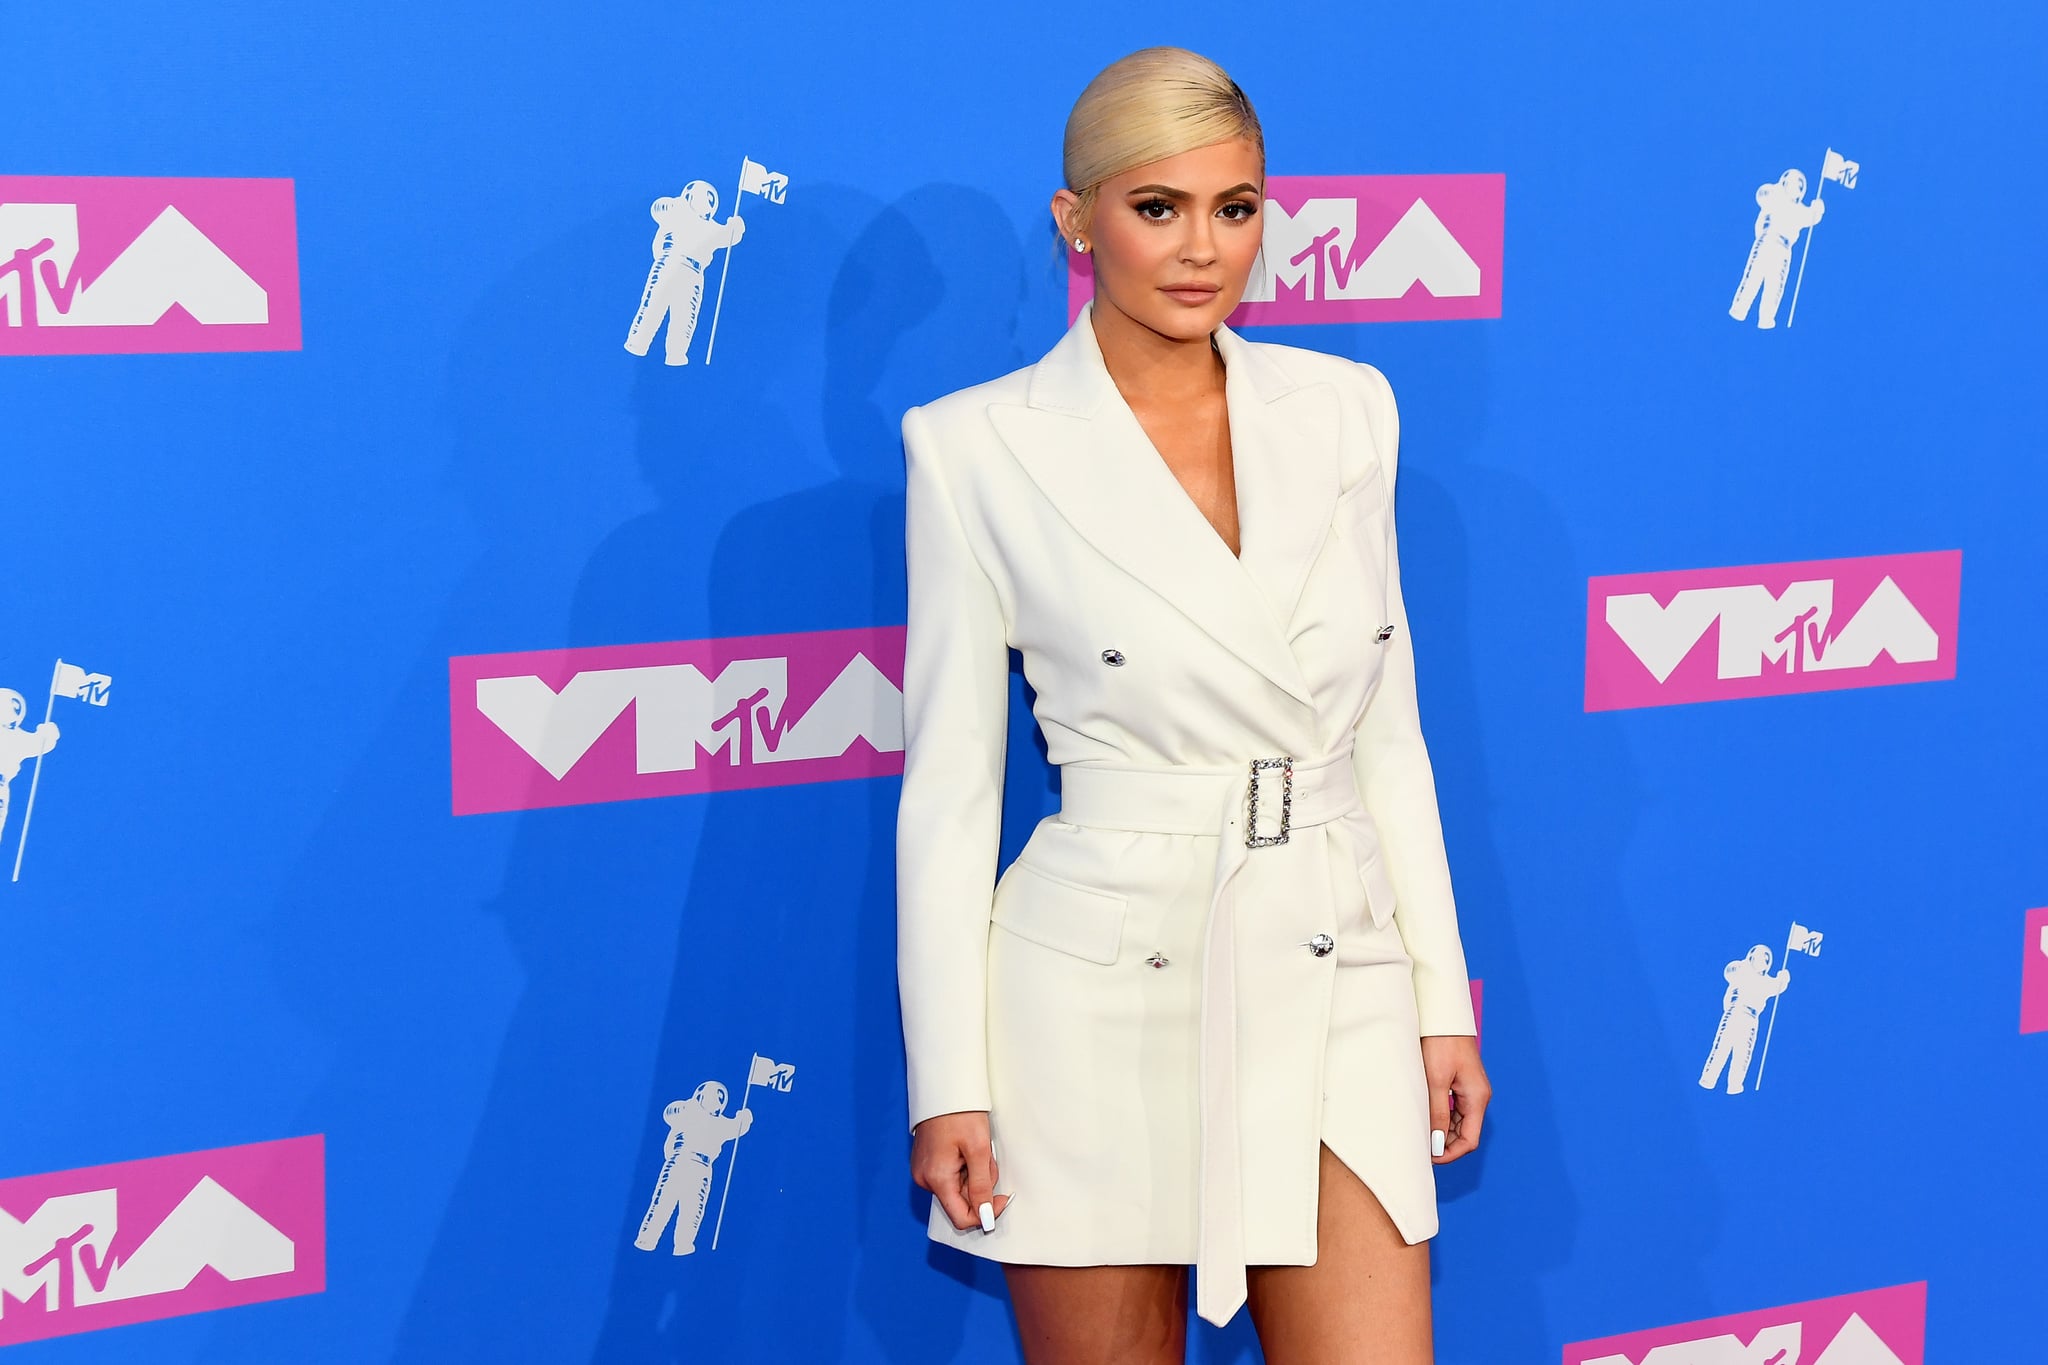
(1710, 635)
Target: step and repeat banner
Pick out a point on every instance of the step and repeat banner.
(452, 638)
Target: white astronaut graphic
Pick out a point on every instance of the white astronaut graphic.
(17, 744)
(688, 235)
(698, 1129)
(1782, 214)
(1751, 986)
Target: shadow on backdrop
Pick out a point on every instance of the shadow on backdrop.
(788, 944)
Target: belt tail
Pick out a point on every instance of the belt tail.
(1220, 1287)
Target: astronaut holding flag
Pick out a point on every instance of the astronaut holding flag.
(698, 1131)
(1753, 988)
(1782, 214)
(18, 745)
(687, 235)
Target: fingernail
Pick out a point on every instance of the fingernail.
(988, 1217)
(1436, 1142)
(1008, 1200)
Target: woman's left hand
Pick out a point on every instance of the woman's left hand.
(1450, 1063)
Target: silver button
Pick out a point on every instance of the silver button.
(1113, 657)
(1158, 959)
(1322, 945)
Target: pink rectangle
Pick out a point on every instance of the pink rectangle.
(2034, 974)
(106, 265)
(1365, 248)
(1658, 639)
(1874, 1327)
(623, 722)
(105, 1246)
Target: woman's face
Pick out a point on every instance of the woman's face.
(1174, 239)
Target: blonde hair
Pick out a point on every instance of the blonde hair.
(1157, 102)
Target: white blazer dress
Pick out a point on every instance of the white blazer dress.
(1222, 951)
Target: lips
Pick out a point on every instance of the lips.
(1191, 292)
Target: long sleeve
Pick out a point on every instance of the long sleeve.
(1399, 788)
(956, 691)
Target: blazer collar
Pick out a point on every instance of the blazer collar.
(1087, 452)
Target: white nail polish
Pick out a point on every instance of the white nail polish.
(1436, 1142)
(988, 1217)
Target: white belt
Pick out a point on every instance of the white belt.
(1249, 808)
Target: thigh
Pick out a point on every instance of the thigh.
(1366, 1299)
(1100, 1314)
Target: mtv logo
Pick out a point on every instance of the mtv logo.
(1658, 639)
(1875, 1327)
(619, 723)
(110, 1245)
(2034, 974)
(119, 265)
(1365, 248)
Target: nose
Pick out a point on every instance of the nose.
(1198, 248)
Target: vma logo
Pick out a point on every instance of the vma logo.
(1763, 630)
(110, 1245)
(100, 265)
(1365, 248)
(1876, 1327)
(618, 723)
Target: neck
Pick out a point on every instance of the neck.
(1150, 365)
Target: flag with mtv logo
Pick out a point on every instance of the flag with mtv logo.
(72, 682)
(768, 1074)
(1800, 940)
(772, 186)
(1840, 169)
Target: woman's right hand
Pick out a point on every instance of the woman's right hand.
(950, 1155)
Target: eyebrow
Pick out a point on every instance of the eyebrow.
(1169, 192)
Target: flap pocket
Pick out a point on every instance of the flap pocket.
(1060, 915)
(1379, 890)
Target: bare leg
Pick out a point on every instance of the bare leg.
(1100, 1314)
(1366, 1299)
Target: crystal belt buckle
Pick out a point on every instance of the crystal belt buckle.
(1252, 837)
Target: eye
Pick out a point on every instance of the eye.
(1155, 208)
(1239, 210)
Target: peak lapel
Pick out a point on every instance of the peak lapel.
(1283, 440)
(1084, 448)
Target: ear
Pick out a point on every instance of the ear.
(1065, 206)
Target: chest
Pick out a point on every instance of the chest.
(1193, 441)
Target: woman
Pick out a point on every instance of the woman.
(1183, 1029)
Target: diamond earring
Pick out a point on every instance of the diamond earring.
(1080, 245)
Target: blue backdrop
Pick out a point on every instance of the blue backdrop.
(246, 911)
